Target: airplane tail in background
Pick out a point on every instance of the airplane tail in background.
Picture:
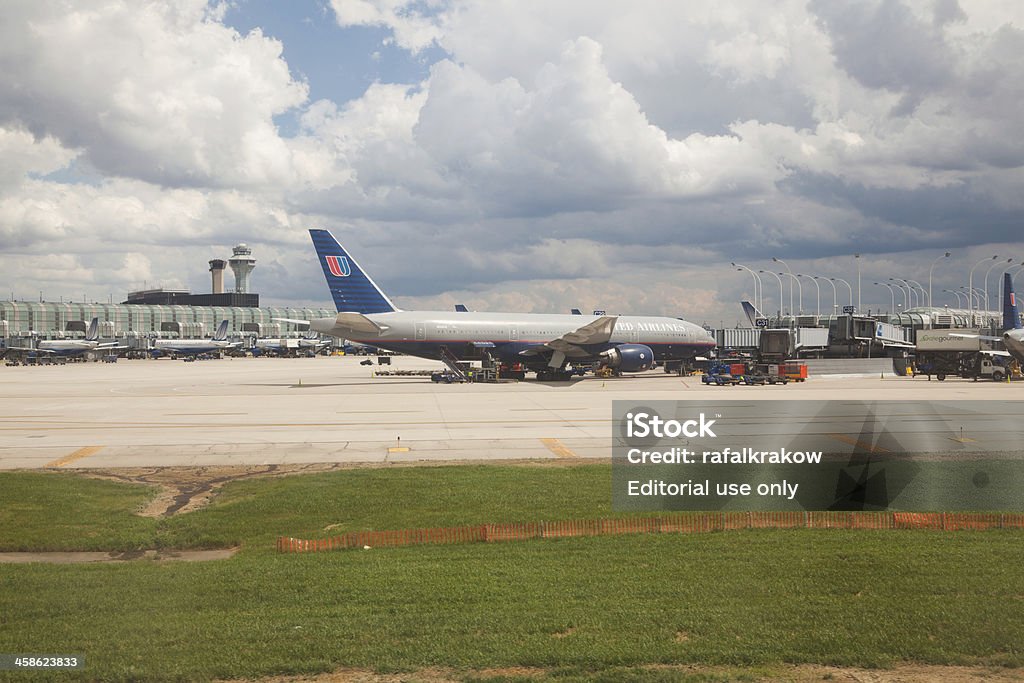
(222, 331)
(93, 333)
(752, 313)
(1011, 315)
(352, 289)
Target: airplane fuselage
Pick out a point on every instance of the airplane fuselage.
(1013, 341)
(189, 346)
(508, 335)
(68, 348)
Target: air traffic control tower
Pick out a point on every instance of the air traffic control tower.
(242, 263)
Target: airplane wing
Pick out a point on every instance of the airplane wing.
(22, 348)
(356, 322)
(360, 323)
(598, 331)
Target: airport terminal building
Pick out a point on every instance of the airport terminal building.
(161, 313)
(52, 320)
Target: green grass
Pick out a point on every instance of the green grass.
(580, 608)
(47, 511)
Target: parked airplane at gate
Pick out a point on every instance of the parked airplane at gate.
(312, 341)
(193, 347)
(71, 347)
(544, 343)
(1013, 332)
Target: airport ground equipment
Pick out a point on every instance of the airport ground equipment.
(793, 371)
(953, 353)
(966, 364)
(720, 374)
(767, 373)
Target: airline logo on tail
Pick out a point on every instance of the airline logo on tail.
(338, 266)
(1011, 316)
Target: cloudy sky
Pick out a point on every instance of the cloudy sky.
(519, 155)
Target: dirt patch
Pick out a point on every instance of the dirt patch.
(183, 489)
(126, 556)
(804, 673)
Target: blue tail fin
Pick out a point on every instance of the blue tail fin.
(1011, 316)
(93, 333)
(352, 289)
(753, 315)
(222, 331)
(461, 308)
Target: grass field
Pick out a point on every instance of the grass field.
(576, 607)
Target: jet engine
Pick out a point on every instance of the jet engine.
(629, 357)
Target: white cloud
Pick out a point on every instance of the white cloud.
(23, 154)
(593, 144)
(157, 91)
(412, 29)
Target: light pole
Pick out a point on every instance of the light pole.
(839, 279)
(818, 310)
(835, 304)
(975, 294)
(778, 260)
(982, 298)
(799, 288)
(759, 302)
(989, 272)
(892, 295)
(856, 257)
(976, 291)
(768, 272)
(946, 255)
(906, 293)
(958, 301)
(918, 287)
(970, 282)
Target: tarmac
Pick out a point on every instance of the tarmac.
(281, 411)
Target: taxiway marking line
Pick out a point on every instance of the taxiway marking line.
(77, 455)
(558, 448)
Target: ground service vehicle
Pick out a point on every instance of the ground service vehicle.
(957, 353)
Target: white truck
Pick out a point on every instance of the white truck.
(957, 352)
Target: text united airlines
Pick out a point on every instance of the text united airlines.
(726, 456)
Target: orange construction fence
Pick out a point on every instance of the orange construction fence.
(682, 523)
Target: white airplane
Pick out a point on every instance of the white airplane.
(544, 343)
(68, 348)
(312, 341)
(193, 347)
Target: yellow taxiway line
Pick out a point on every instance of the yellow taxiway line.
(558, 448)
(77, 455)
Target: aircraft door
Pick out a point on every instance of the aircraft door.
(634, 336)
(421, 332)
(513, 333)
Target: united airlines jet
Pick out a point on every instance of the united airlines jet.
(72, 347)
(547, 344)
(194, 347)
